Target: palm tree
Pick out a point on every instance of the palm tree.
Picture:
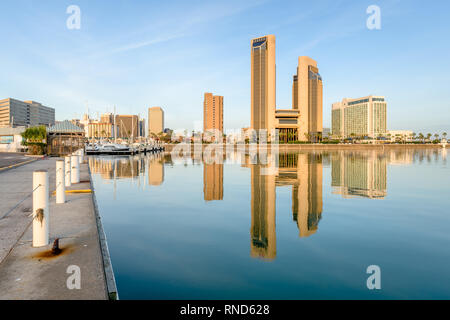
(307, 136)
(421, 136)
(436, 136)
(444, 135)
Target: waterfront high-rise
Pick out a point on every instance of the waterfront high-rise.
(155, 120)
(307, 92)
(304, 121)
(263, 83)
(359, 117)
(212, 112)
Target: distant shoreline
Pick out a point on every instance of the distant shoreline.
(334, 147)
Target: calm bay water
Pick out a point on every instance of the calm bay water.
(191, 229)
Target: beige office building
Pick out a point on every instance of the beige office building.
(100, 130)
(361, 117)
(212, 112)
(107, 118)
(155, 120)
(304, 121)
(263, 83)
(307, 98)
(126, 126)
(15, 113)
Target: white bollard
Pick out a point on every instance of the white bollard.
(75, 170)
(41, 212)
(60, 184)
(81, 153)
(67, 166)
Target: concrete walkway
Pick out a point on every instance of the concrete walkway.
(8, 159)
(33, 273)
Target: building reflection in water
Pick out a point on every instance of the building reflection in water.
(359, 174)
(353, 174)
(262, 230)
(156, 170)
(213, 181)
(301, 171)
(130, 167)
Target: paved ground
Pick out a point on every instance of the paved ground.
(10, 158)
(31, 273)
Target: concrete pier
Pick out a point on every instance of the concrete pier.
(40, 273)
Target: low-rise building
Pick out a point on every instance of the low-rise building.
(100, 130)
(400, 135)
(11, 139)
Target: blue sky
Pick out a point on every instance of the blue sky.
(138, 54)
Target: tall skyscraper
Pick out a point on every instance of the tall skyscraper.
(364, 116)
(307, 97)
(155, 120)
(263, 83)
(212, 112)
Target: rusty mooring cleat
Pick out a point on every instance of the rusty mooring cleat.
(56, 250)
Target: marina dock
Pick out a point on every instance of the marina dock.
(37, 273)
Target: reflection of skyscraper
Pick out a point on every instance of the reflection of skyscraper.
(359, 174)
(213, 181)
(155, 171)
(303, 172)
(307, 194)
(262, 232)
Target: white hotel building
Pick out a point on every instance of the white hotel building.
(360, 117)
